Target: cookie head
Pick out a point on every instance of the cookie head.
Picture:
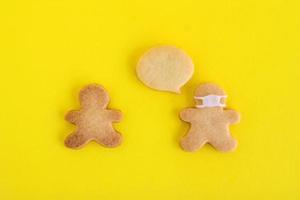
(209, 95)
(93, 95)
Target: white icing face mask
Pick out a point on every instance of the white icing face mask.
(211, 101)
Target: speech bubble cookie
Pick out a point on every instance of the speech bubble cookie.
(165, 68)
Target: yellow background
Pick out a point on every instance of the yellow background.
(52, 48)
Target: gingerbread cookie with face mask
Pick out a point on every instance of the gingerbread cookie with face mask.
(93, 120)
(209, 121)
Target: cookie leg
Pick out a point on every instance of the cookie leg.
(111, 139)
(76, 140)
(224, 144)
(193, 141)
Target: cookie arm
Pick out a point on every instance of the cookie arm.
(232, 116)
(72, 116)
(187, 114)
(114, 115)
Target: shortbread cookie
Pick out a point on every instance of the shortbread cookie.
(93, 120)
(209, 121)
(165, 68)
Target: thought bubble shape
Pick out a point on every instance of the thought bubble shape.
(165, 68)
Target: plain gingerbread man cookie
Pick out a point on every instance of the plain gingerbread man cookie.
(209, 121)
(93, 120)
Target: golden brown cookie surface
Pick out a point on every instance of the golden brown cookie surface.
(209, 121)
(165, 68)
(93, 120)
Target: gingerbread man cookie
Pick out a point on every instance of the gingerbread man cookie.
(93, 120)
(209, 121)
